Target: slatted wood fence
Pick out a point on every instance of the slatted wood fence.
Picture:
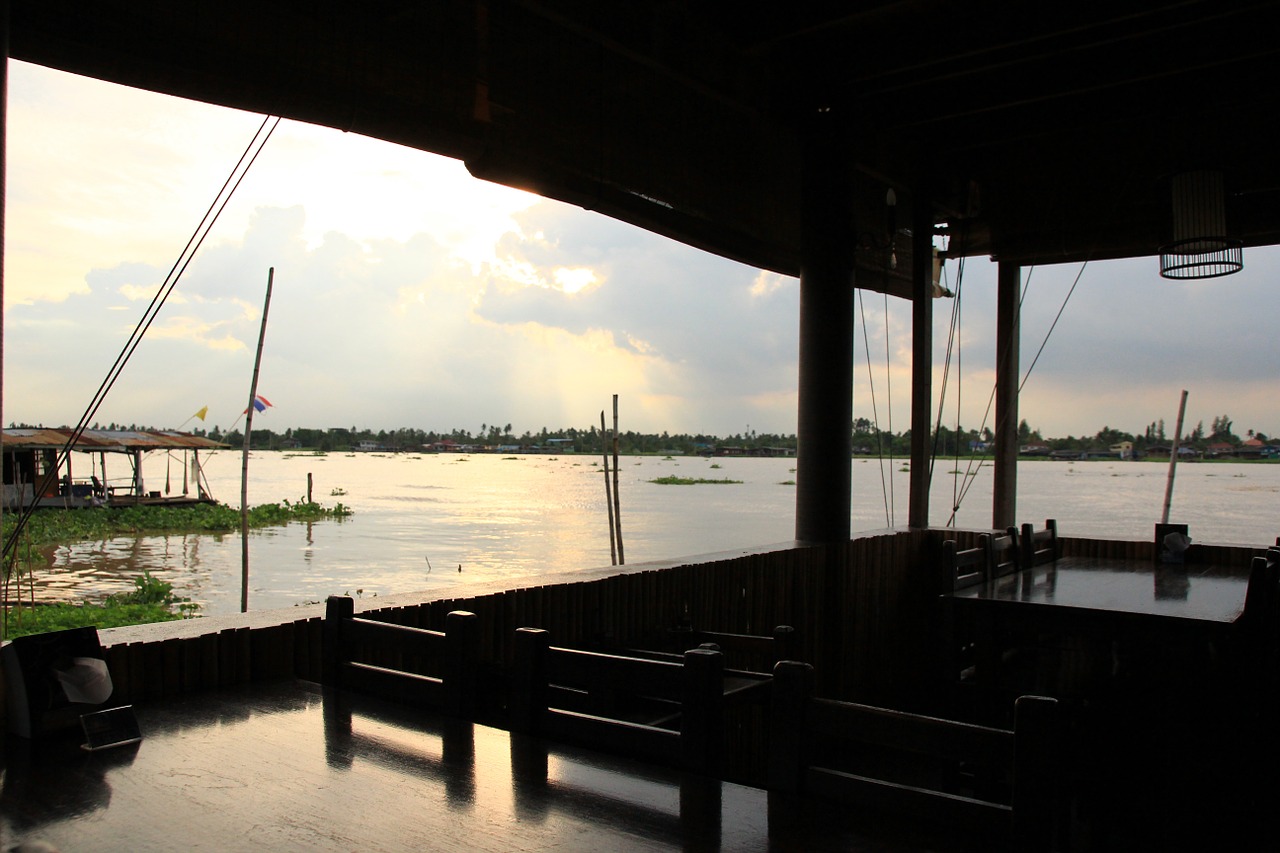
(861, 610)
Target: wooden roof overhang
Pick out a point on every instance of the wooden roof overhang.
(1036, 133)
(104, 441)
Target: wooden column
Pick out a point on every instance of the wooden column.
(825, 421)
(1004, 508)
(921, 360)
(4, 134)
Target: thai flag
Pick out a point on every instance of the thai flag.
(260, 404)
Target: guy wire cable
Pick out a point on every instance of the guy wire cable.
(1043, 343)
(970, 475)
(875, 415)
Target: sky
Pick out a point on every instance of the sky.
(408, 294)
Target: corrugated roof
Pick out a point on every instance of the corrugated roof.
(103, 440)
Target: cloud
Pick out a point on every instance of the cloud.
(409, 294)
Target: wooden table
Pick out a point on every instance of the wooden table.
(286, 767)
(1163, 741)
(1109, 592)
(1076, 627)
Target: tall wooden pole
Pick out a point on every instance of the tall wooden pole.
(1173, 460)
(1004, 497)
(244, 461)
(608, 496)
(617, 506)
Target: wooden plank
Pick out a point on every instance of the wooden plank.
(611, 735)
(394, 685)
(171, 656)
(574, 667)
(898, 730)
(993, 820)
(385, 635)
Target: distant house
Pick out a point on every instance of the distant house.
(1123, 449)
(1034, 450)
(1220, 448)
(1251, 448)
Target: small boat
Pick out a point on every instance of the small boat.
(36, 470)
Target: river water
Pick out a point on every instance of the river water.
(430, 522)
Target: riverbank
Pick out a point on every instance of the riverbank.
(151, 600)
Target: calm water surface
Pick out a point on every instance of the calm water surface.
(418, 518)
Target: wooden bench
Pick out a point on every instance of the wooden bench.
(751, 652)
(1039, 546)
(394, 661)
(989, 783)
(654, 709)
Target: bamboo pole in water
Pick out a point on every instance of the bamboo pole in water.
(608, 498)
(1173, 459)
(244, 462)
(617, 508)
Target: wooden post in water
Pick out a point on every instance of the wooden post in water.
(1173, 459)
(608, 497)
(309, 487)
(617, 507)
(244, 462)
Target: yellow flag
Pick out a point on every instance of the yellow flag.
(200, 414)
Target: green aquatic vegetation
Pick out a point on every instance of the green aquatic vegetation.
(58, 527)
(151, 600)
(787, 483)
(714, 465)
(691, 481)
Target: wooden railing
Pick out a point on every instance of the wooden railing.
(862, 611)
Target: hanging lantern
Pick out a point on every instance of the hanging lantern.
(1200, 247)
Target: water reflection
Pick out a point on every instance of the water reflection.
(500, 518)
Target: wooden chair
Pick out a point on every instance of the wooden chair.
(654, 709)
(847, 752)
(391, 661)
(1005, 553)
(958, 569)
(965, 568)
(1039, 546)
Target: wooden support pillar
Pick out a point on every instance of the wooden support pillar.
(825, 419)
(1004, 499)
(4, 134)
(921, 360)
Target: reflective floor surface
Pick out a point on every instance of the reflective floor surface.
(286, 768)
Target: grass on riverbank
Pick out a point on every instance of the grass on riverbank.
(152, 600)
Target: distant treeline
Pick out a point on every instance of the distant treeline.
(867, 439)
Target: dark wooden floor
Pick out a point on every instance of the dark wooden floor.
(285, 768)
